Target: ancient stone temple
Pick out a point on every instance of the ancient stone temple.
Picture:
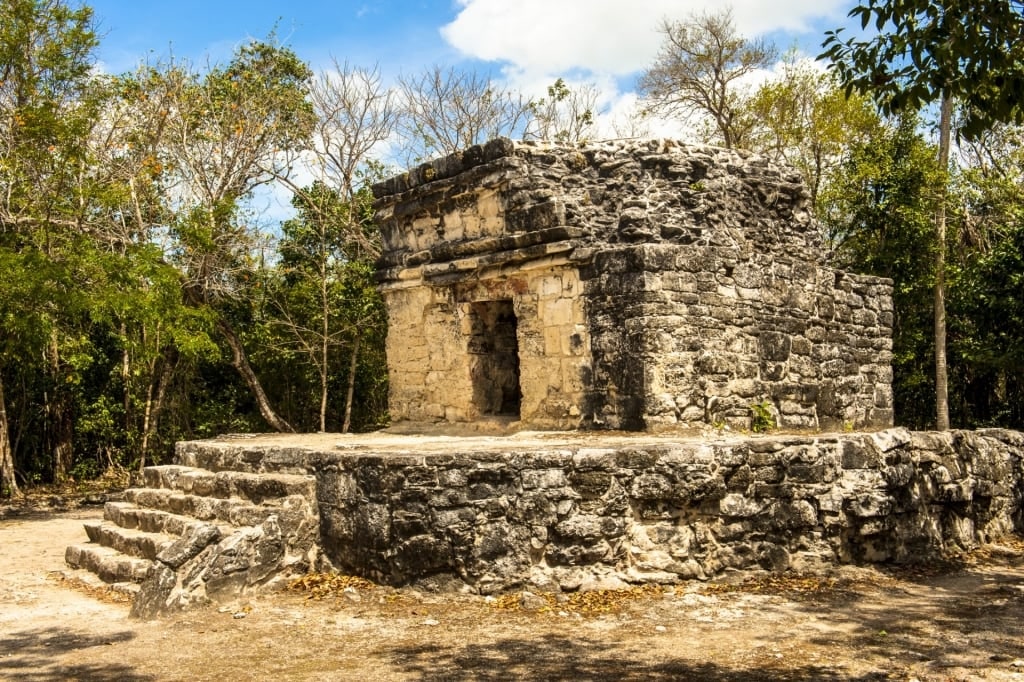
(628, 284)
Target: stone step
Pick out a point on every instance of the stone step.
(108, 564)
(235, 456)
(256, 488)
(233, 512)
(133, 542)
(92, 582)
(128, 515)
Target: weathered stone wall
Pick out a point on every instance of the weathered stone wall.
(635, 510)
(430, 358)
(652, 285)
(687, 334)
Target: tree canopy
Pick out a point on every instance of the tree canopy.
(916, 51)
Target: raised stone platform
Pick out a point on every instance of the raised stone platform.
(563, 510)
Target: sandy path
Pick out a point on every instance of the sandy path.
(961, 625)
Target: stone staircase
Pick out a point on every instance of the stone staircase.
(192, 536)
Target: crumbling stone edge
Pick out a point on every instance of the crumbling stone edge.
(573, 517)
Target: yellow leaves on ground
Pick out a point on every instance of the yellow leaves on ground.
(790, 584)
(585, 603)
(324, 585)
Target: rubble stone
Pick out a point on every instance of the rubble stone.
(634, 285)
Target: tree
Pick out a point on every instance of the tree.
(324, 294)
(970, 51)
(445, 111)
(45, 201)
(804, 118)
(354, 115)
(938, 50)
(877, 213)
(565, 115)
(700, 70)
(987, 279)
(236, 128)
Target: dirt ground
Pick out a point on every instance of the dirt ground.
(964, 621)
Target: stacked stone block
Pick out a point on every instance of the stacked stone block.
(693, 286)
(573, 513)
(190, 536)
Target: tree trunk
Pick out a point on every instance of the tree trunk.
(241, 363)
(351, 384)
(8, 484)
(941, 375)
(61, 423)
(325, 347)
(154, 406)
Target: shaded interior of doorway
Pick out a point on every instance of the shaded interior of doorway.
(494, 358)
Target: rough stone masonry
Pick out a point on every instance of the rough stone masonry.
(635, 285)
(572, 511)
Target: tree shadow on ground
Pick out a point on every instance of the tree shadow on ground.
(963, 617)
(31, 655)
(569, 658)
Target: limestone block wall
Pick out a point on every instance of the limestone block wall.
(562, 513)
(631, 284)
(696, 335)
(666, 512)
(441, 338)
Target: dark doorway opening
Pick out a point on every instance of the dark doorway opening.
(494, 361)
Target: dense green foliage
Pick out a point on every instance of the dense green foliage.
(135, 285)
(142, 301)
(971, 50)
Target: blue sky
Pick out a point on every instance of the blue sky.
(527, 44)
(398, 35)
(527, 40)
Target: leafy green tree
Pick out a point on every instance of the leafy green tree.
(969, 51)
(938, 50)
(987, 280)
(878, 212)
(804, 118)
(229, 131)
(46, 114)
(325, 295)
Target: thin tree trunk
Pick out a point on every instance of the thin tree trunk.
(126, 379)
(325, 347)
(941, 374)
(241, 363)
(60, 418)
(351, 384)
(154, 406)
(8, 483)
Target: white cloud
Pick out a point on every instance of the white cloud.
(616, 37)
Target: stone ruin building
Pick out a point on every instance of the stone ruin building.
(636, 285)
(627, 285)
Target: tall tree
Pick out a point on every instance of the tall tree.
(46, 112)
(803, 117)
(229, 131)
(927, 51)
(877, 212)
(700, 69)
(324, 294)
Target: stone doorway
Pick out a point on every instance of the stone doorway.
(494, 358)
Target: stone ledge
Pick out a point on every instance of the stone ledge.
(551, 509)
